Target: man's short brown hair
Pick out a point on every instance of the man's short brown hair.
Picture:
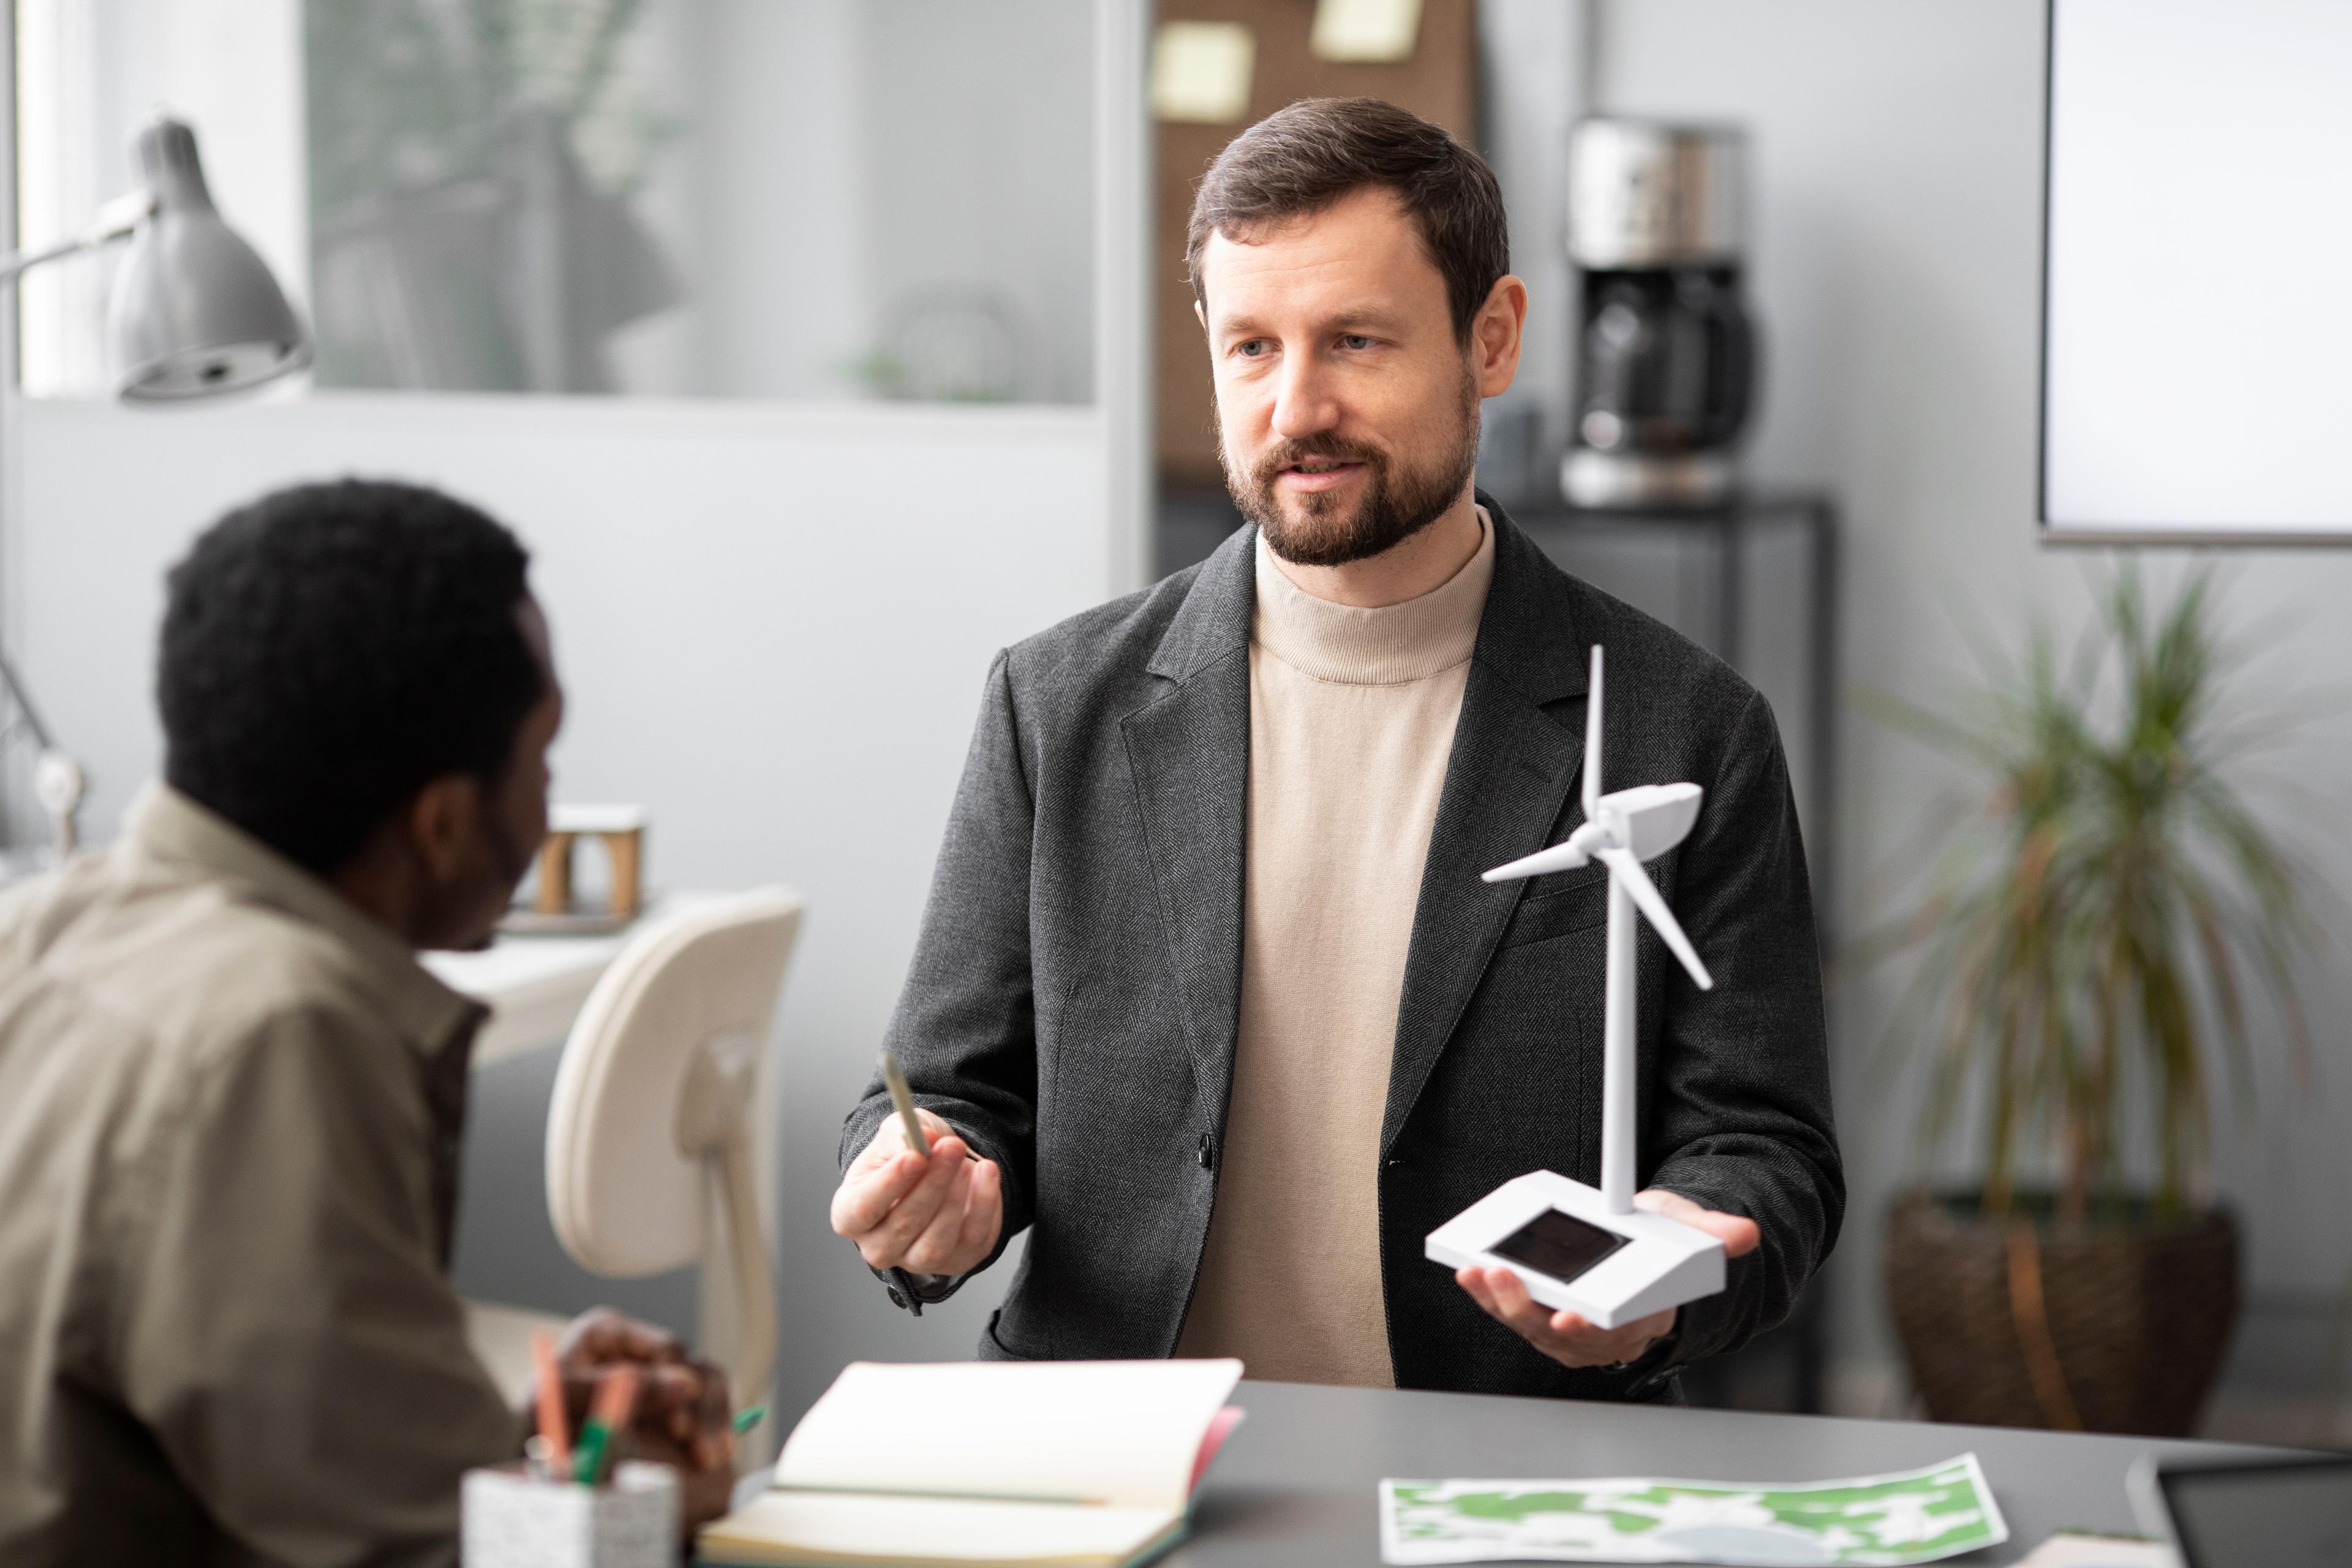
(1299, 160)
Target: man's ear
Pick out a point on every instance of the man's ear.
(1495, 335)
(1200, 314)
(444, 819)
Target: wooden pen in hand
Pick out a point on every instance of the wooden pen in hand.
(904, 1099)
(909, 1123)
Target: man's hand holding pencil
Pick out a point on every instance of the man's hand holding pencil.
(917, 1197)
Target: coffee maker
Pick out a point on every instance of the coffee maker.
(1666, 353)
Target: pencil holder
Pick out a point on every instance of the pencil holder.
(513, 1519)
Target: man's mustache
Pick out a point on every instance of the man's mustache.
(1333, 448)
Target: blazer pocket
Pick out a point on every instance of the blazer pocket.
(993, 1347)
(1540, 917)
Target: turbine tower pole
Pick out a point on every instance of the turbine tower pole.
(1617, 1053)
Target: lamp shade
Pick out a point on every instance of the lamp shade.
(194, 309)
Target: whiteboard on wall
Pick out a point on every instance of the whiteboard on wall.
(2197, 308)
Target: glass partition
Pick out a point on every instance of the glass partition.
(816, 199)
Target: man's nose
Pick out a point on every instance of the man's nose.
(1303, 401)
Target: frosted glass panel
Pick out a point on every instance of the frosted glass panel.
(817, 199)
(2199, 306)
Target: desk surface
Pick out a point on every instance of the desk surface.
(1296, 1483)
(535, 985)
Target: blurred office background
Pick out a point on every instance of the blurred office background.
(818, 348)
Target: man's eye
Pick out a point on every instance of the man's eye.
(1355, 341)
(1254, 349)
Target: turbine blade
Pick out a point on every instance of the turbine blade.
(1628, 870)
(1592, 741)
(1565, 856)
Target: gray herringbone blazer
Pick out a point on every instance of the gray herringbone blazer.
(1072, 1004)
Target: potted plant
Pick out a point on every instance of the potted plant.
(2086, 945)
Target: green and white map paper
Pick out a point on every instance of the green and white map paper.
(1917, 1516)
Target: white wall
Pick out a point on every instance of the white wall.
(1896, 275)
(1532, 71)
(773, 623)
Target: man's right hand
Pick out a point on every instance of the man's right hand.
(939, 1215)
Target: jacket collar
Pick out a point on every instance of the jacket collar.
(167, 826)
(1528, 637)
(1525, 636)
(1214, 618)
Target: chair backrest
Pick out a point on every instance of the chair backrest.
(648, 1128)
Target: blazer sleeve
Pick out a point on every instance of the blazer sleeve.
(965, 1026)
(1741, 1122)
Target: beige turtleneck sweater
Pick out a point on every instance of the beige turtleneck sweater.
(1351, 719)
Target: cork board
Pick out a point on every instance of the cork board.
(1439, 82)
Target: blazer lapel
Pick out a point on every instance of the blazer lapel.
(1189, 751)
(1511, 770)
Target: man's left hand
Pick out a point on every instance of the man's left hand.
(1567, 1337)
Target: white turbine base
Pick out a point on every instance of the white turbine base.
(1664, 1262)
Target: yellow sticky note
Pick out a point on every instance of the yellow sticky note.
(1368, 32)
(1201, 71)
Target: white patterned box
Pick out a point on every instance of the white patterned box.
(515, 1520)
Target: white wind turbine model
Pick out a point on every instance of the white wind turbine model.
(1588, 1251)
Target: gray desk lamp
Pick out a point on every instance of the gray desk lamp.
(193, 313)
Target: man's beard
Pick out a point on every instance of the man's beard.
(1395, 501)
(509, 855)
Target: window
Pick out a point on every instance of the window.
(738, 198)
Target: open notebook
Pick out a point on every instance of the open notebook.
(1001, 1463)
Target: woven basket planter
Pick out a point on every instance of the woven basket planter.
(2114, 1326)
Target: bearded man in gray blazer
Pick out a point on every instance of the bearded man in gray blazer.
(1210, 998)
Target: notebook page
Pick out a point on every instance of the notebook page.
(795, 1526)
(1124, 1432)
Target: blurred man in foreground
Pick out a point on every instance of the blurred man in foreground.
(230, 1099)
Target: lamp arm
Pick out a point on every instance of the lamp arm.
(115, 220)
(58, 783)
(24, 702)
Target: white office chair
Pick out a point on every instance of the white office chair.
(652, 1162)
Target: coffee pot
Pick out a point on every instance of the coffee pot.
(1666, 353)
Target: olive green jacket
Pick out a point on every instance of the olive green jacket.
(230, 1105)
